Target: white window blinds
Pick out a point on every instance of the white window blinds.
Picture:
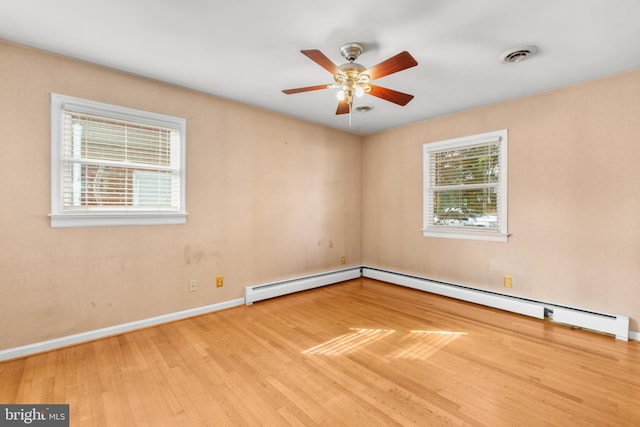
(465, 185)
(114, 165)
(111, 163)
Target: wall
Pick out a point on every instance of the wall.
(573, 199)
(269, 197)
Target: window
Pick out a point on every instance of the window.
(465, 187)
(112, 165)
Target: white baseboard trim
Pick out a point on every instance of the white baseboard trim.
(30, 349)
(503, 302)
(270, 290)
(613, 324)
(289, 286)
(616, 324)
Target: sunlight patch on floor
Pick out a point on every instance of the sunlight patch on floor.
(348, 343)
(415, 344)
(423, 344)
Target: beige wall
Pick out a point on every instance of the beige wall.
(574, 199)
(271, 197)
(268, 197)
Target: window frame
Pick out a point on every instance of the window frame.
(500, 234)
(112, 216)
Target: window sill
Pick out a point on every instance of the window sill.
(490, 236)
(112, 220)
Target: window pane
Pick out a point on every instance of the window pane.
(101, 138)
(87, 185)
(465, 187)
(473, 165)
(151, 188)
(115, 166)
(109, 164)
(466, 208)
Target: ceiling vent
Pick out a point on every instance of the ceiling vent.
(518, 54)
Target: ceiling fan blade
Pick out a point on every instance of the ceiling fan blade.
(390, 95)
(400, 62)
(305, 89)
(319, 58)
(343, 107)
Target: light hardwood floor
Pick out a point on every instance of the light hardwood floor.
(359, 353)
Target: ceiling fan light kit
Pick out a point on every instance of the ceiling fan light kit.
(354, 80)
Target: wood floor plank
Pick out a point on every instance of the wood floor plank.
(360, 353)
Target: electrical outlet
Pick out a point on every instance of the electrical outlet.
(508, 281)
(219, 281)
(343, 259)
(193, 286)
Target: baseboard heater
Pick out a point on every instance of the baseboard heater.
(276, 289)
(612, 324)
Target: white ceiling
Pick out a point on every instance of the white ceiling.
(249, 50)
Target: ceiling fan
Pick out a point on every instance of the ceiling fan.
(354, 80)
